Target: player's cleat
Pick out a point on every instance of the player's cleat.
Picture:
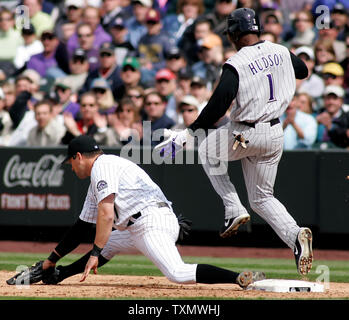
(245, 278)
(31, 275)
(232, 225)
(55, 277)
(303, 251)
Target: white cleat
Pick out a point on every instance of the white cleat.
(303, 251)
(232, 225)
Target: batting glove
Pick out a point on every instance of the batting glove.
(174, 142)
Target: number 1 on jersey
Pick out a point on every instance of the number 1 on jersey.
(271, 88)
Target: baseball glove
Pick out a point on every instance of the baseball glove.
(32, 275)
(184, 227)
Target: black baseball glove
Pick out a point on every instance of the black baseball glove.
(184, 227)
(32, 275)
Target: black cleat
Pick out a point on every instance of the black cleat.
(232, 225)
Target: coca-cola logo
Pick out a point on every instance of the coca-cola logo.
(46, 172)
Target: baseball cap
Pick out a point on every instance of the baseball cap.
(81, 144)
(198, 80)
(210, 41)
(339, 8)
(185, 73)
(100, 83)
(79, 53)
(131, 61)
(32, 75)
(305, 50)
(145, 3)
(333, 68)
(63, 83)
(74, 3)
(190, 100)
(119, 22)
(28, 31)
(173, 52)
(152, 15)
(333, 89)
(107, 47)
(165, 74)
(48, 34)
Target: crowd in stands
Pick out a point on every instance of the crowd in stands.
(103, 67)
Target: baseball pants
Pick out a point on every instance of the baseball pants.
(259, 164)
(154, 234)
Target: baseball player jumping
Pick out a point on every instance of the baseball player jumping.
(261, 79)
(122, 195)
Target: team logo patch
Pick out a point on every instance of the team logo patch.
(101, 185)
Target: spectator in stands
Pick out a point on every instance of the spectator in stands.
(201, 28)
(53, 60)
(31, 46)
(105, 99)
(126, 123)
(22, 111)
(269, 36)
(152, 46)
(184, 77)
(130, 76)
(136, 94)
(112, 10)
(136, 24)
(66, 99)
(345, 66)
(165, 85)
(218, 17)
(91, 16)
(305, 103)
(211, 59)
(339, 16)
(108, 69)
(5, 121)
(123, 47)
(10, 38)
(324, 53)
(40, 20)
(333, 74)
(333, 121)
(48, 131)
(86, 41)
(331, 33)
(154, 107)
(71, 14)
(313, 84)
(186, 13)
(175, 60)
(199, 90)
(10, 95)
(304, 33)
(272, 22)
(300, 128)
(79, 67)
(85, 125)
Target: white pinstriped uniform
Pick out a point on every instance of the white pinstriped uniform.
(154, 233)
(266, 86)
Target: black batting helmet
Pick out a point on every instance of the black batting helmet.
(242, 21)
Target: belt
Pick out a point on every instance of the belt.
(139, 214)
(253, 124)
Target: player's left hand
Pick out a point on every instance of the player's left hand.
(92, 263)
(174, 142)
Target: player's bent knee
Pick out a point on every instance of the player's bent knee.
(184, 274)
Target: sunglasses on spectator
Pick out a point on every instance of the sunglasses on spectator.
(174, 56)
(88, 105)
(135, 96)
(151, 22)
(86, 35)
(162, 80)
(99, 90)
(26, 32)
(149, 103)
(78, 60)
(105, 54)
(59, 88)
(128, 68)
(327, 76)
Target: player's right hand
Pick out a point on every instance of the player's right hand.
(92, 263)
(174, 142)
